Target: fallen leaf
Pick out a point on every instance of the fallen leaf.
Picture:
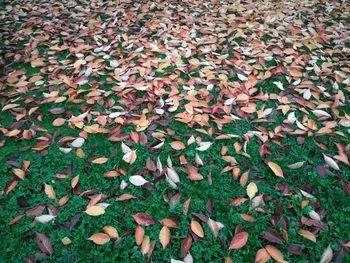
(239, 240)
(197, 228)
(164, 236)
(276, 169)
(99, 238)
(95, 210)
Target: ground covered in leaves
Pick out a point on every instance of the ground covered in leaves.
(183, 131)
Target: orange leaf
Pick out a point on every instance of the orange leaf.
(262, 256)
(197, 228)
(111, 231)
(239, 240)
(100, 160)
(275, 253)
(124, 197)
(177, 145)
(139, 233)
(58, 122)
(99, 238)
(164, 236)
(193, 173)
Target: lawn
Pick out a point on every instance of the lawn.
(175, 131)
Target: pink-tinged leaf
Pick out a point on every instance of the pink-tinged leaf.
(262, 256)
(239, 240)
(144, 219)
(164, 236)
(44, 243)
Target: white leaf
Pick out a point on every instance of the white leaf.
(159, 165)
(307, 94)
(198, 160)
(123, 185)
(188, 258)
(65, 150)
(44, 218)
(154, 47)
(278, 84)
(291, 117)
(321, 113)
(158, 146)
(203, 146)
(242, 77)
(173, 175)
(191, 140)
(103, 205)
(78, 142)
(296, 165)
(137, 180)
(327, 255)
(331, 162)
(125, 148)
(314, 215)
(300, 126)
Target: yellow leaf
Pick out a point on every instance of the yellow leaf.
(66, 241)
(276, 169)
(95, 210)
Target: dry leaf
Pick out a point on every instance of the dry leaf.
(197, 228)
(239, 240)
(95, 210)
(99, 238)
(164, 236)
(276, 169)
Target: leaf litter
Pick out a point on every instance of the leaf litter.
(208, 96)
